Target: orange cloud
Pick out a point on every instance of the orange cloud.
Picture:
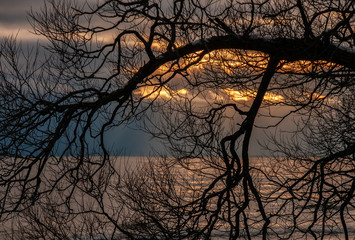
(154, 92)
(246, 95)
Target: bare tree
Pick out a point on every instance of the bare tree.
(182, 66)
(320, 166)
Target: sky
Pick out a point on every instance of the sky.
(13, 18)
(126, 141)
(13, 21)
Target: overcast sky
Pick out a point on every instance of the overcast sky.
(13, 18)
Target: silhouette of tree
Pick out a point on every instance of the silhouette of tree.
(322, 182)
(201, 76)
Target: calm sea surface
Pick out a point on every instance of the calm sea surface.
(198, 174)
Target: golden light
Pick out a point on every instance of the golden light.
(182, 91)
(153, 92)
(228, 61)
(237, 95)
(304, 66)
(273, 97)
(314, 95)
(156, 92)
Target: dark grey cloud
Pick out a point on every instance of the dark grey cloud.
(21, 5)
(13, 12)
(13, 18)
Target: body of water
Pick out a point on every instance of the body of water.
(156, 195)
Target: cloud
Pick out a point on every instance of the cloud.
(13, 18)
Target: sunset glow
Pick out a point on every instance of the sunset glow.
(229, 61)
(153, 92)
(315, 96)
(238, 95)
